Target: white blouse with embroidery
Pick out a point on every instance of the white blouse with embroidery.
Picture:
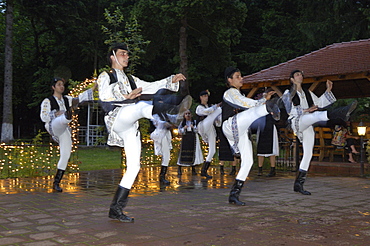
(235, 97)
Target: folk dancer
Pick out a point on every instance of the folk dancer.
(162, 137)
(56, 112)
(190, 150)
(206, 118)
(236, 125)
(305, 109)
(122, 120)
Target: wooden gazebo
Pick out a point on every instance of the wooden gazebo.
(346, 64)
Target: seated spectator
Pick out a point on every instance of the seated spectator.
(343, 138)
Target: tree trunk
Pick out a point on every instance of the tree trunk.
(7, 126)
(182, 47)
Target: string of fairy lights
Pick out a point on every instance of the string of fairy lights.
(30, 160)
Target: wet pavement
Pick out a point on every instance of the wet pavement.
(190, 211)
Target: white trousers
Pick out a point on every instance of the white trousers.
(62, 131)
(244, 120)
(166, 152)
(126, 128)
(208, 132)
(308, 135)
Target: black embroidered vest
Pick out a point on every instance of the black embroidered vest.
(229, 110)
(296, 101)
(54, 104)
(200, 118)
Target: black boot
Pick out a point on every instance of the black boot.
(205, 167)
(193, 171)
(167, 103)
(343, 112)
(119, 202)
(179, 172)
(233, 170)
(259, 171)
(272, 172)
(222, 171)
(68, 114)
(58, 177)
(273, 108)
(75, 102)
(183, 88)
(235, 192)
(298, 184)
(162, 175)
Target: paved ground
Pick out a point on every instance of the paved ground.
(191, 211)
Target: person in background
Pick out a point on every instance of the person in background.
(190, 150)
(207, 116)
(267, 144)
(56, 112)
(343, 138)
(162, 145)
(225, 153)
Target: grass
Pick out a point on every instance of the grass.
(98, 158)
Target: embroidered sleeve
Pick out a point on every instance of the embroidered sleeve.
(181, 129)
(105, 88)
(203, 111)
(324, 100)
(86, 96)
(234, 97)
(153, 87)
(46, 113)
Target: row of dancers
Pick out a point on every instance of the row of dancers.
(126, 99)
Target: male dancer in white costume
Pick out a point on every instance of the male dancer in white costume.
(56, 112)
(238, 113)
(207, 116)
(162, 138)
(122, 121)
(305, 109)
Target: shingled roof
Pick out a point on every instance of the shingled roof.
(347, 62)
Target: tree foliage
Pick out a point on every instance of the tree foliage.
(66, 39)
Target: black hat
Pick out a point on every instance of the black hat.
(206, 92)
(116, 46)
(229, 71)
(295, 71)
(55, 80)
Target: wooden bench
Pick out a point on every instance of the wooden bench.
(323, 147)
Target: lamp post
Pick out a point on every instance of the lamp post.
(361, 130)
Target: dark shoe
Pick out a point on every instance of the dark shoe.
(183, 88)
(119, 202)
(179, 172)
(272, 172)
(68, 114)
(166, 104)
(235, 192)
(162, 175)
(183, 107)
(222, 171)
(205, 167)
(298, 184)
(343, 112)
(58, 177)
(75, 102)
(193, 170)
(233, 170)
(259, 171)
(273, 108)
